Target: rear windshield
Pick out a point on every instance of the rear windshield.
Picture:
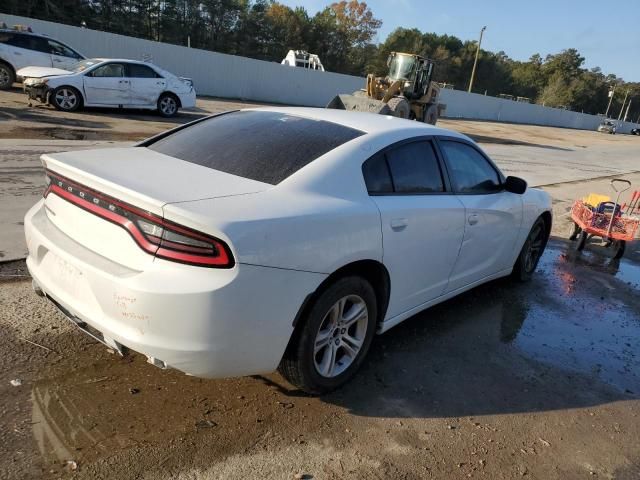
(263, 146)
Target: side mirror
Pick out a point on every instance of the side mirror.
(515, 185)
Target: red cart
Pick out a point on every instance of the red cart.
(615, 224)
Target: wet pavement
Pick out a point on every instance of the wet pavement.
(550, 368)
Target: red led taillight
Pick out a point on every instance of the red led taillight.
(152, 233)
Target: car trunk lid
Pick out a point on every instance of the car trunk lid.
(145, 180)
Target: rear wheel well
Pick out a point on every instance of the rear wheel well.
(372, 271)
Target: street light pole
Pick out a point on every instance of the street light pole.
(475, 62)
(623, 103)
(612, 92)
(626, 114)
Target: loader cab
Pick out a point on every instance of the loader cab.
(415, 70)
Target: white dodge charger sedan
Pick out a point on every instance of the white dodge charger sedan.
(106, 82)
(275, 238)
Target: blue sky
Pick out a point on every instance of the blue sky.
(607, 34)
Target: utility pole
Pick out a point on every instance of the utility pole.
(475, 62)
(612, 92)
(623, 102)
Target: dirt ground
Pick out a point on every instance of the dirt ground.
(538, 380)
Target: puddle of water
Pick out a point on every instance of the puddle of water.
(586, 319)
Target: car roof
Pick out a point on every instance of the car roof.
(33, 34)
(128, 60)
(365, 122)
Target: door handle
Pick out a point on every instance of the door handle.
(123, 81)
(399, 223)
(473, 219)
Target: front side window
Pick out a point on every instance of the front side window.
(58, 48)
(109, 70)
(469, 169)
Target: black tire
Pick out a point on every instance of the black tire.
(618, 247)
(299, 364)
(582, 240)
(431, 115)
(399, 107)
(574, 231)
(66, 99)
(168, 105)
(531, 252)
(7, 76)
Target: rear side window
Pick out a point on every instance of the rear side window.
(411, 168)
(5, 37)
(414, 168)
(260, 145)
(141, 71)
(29, 42)
(470, 171)
(376, 175)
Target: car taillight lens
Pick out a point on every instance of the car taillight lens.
(154, 234)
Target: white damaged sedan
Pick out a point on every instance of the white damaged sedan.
(275, 238)
(114, 83)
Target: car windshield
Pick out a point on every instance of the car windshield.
(82, 65)
(259, 145)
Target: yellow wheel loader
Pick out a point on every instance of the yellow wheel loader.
(406, 92)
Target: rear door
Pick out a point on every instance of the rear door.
(422, 222)
(146, 84)
(107, 85)
(62, 56)
(27, 50)
(492, 215)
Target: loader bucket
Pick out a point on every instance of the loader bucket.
(359, 104)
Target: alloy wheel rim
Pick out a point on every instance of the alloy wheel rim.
(66, 98)
(168, 105)
(340, 336)
(534, 250)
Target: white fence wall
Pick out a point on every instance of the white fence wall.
(480, 107)
(229, 76)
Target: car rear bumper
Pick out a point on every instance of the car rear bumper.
(202, 321)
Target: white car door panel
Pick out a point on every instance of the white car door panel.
(492, 215)
(146, 84)
(492, 227)
(422, 225)
(107, 85)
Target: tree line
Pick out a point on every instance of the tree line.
(344, 36)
